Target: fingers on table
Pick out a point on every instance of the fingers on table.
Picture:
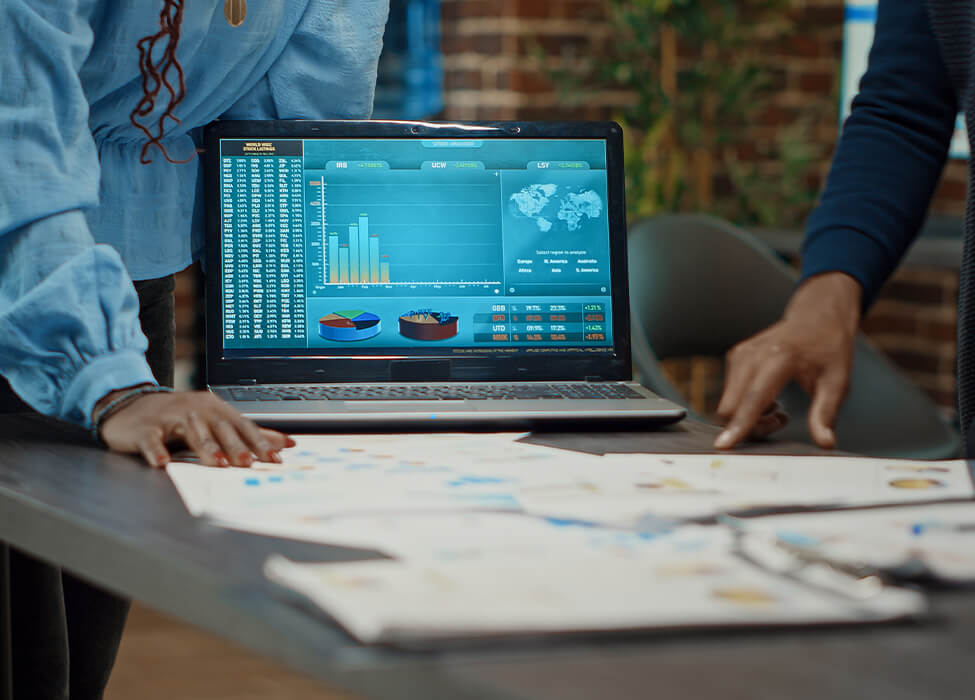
(199, 436)
(740, 367)
(153, 447)
(218, 434)
(261, 442)
(751, 393)
(828, 394)
(222, 437)
(278, 439)
(227, 438)
(772, 421)
(242, 438)
(234, 446)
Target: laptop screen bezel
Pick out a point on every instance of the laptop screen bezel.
(610, 366)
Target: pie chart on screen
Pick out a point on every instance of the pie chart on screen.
(428, 325)
(345, 326)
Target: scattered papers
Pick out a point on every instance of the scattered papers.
(331, 476)
(492, 536)
(628, 488)
(936, 540)
(692, 577)
(337, 475)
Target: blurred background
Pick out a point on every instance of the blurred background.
(730, 107)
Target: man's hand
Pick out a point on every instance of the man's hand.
(217, 433)
(813, 344)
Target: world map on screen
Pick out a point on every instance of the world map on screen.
(551, 205)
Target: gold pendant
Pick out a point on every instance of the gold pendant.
(235, 11)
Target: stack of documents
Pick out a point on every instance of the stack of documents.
(492, 536)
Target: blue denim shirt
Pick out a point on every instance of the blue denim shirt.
(80, 216)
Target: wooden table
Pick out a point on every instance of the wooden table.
(112, 520)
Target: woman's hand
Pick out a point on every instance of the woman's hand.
(813, 344)
(218, 434)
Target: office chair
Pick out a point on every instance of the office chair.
(699, 285)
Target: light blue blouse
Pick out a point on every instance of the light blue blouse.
(80, 215)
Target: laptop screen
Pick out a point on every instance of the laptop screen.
(414, 247)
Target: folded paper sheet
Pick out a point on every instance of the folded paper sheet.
(694, 577)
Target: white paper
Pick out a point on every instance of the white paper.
(333, 476)
(936, 540)
(455, 535)
(689, 578)
(493, 536)
(629, 487)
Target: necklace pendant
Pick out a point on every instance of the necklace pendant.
(235, 11)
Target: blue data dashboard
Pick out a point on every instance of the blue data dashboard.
(420, 246)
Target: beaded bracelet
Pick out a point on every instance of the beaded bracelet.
(120, 402)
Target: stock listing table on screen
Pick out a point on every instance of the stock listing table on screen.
(456, 245)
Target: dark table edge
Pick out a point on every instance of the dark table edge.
(247, 616)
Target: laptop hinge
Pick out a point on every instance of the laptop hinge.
(594, 378)
(247, 381)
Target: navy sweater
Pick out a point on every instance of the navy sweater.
(890, 154)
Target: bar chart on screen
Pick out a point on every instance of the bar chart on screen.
(399, 228)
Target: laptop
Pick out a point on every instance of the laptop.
(434, 275)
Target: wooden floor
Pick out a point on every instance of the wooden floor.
(162, 659)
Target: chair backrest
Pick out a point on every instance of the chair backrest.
(698, 285)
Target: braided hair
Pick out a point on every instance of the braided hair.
(155, 76)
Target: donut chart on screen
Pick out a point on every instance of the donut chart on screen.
(428, 325)
(345, 326)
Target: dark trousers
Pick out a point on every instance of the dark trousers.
(65, 631)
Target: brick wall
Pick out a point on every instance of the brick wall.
(913, 322)
(492, 67)
(493, 70)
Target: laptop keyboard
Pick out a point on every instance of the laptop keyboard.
(426, 392)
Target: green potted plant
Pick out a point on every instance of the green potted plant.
(693, 75)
